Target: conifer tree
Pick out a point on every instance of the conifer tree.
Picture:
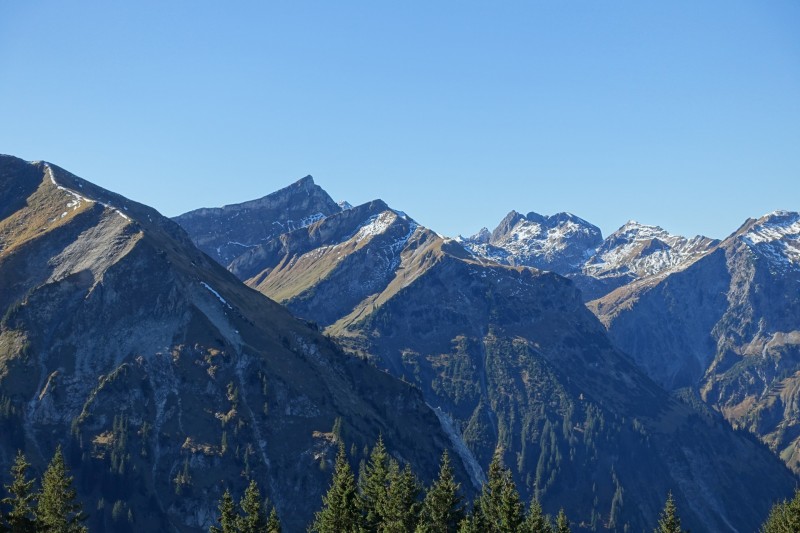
(470, 524)
(536, 521)
(562, 522)
(500, 506)
(273, 523)
(373, 484)
(401, 509)
(441, 509)
(784, 516)
(20, 518)
(339, 513)
(58, 510)
(669, 521)
(227, 515)
(253, 518)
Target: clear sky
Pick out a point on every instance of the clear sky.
(679, 113)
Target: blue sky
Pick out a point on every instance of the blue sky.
(684, 114)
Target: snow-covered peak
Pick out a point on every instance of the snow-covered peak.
(633, 230)
(482, 237)
(559, 242)
(777, 224)
(375, 225)
(641, 250)
(345, 205)
(777, 237)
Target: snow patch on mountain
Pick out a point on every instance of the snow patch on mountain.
(776, 236)
(560, 242)
(76, 203)
(375, 225)
(215, 293)
(643, 250)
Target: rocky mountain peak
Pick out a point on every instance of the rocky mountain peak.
(505, 225)
(775, 236)
(482, 237)
(638, 250)
(560, 242)
(227, 232)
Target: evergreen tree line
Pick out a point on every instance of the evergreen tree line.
(388, 498)
(385, 498)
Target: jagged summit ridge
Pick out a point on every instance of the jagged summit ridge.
(569, 245)
(559, 242)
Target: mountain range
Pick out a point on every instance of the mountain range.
(165, 379)
(720, 318)
(175, 359)
(509, 355)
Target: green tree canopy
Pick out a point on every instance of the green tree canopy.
(441, 509)
(784, 517)
(58, 510)
(401, 509)
(536, 521)
(273, 522)
(253, 518)
(501, 509)
(227, 515)
(373, 484)
(562, 522)
(340, 512)
(20, 518)
(669, 521)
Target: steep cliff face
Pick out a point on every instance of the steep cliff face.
(227, 232)
(728, 325)
(512, 359)
(166, 378)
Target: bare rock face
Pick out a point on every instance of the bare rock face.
(511, 358)
(227, 232)
(163, 376)
(728, 325)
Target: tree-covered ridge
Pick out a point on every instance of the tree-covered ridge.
(388, 497)
(385, 496)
